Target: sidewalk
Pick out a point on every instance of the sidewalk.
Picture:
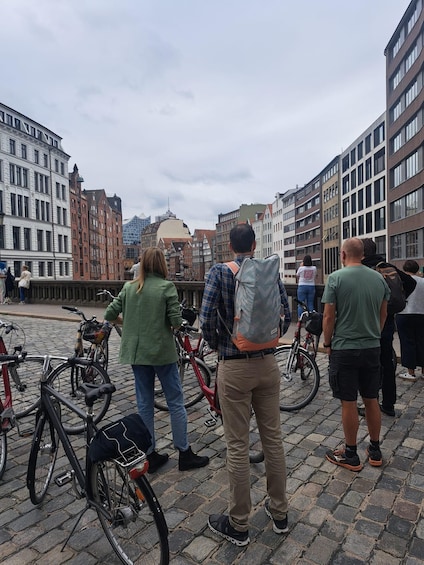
(336, 517)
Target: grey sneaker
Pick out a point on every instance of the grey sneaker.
(220, 524)
(279, 526)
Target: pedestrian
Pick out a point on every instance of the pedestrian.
(3, 272)
(151, 310)
(135, 269)
(306, 275)
(10, 285)
(355, 308)
(246, 380)
(410, 326)
(388, 358)
(24, 284)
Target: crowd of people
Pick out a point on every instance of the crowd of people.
(358, 331)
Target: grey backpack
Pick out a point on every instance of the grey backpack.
(257, 303)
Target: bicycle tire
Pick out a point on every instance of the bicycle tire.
(42, 457)
(66, 378)
(300, 377)
(130, 515)
(101, 354)
(190, 385)
(3, 452)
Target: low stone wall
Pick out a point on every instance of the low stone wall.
(86, 292)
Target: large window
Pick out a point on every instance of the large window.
(379, 161)
(379, 190)
(380, 219)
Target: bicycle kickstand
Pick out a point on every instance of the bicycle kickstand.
(212, 420)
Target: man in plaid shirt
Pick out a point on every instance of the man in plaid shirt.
(246, 381)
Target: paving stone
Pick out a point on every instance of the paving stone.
(406, 510)
(321, 550)
(392, 544)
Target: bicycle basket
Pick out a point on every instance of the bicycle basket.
(90, 331)
(189, 314)
(122, 439)
(313, 323)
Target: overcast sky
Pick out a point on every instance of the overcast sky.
(205, 104)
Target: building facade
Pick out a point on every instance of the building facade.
(405, 156)
(34, 198)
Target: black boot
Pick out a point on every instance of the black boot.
(156, 460)
(188, 460)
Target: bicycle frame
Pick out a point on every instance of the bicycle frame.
(210, 394)
(6, 404)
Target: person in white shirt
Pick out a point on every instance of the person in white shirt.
(306, 275)
(135, 270)
(410, 326)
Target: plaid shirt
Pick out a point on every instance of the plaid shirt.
(218, 296)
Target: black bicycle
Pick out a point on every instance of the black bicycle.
(115, 487)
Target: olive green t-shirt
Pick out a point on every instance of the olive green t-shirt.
(357, 292)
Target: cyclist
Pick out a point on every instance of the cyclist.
(150, 308)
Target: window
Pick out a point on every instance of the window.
(396, 111)
(39, 240)
(368, 169)
(398, 43)
(360, 199)
(379, 135)
(345, 163)
(397, 175)
(12, 147)
(36, 156)
(412, 244)
(48, 240)
(65, 243)
(353, 156)
(60, 243)
(380, 219)
(354, 231)
(13, 204)
(41, 268)
(56, 165)
(360, 150)
(397, 142)
(58, 214)
(412, 165)
(360, 225)
(379, 161)
(345, 184)
(27, 239)
(49, 268)
(361, 173)
(353, 204)
(23, 151)
(411, 93)
(346, 210)
(346, 230)
(368, 222)
(12, 173)
(367, 144)
(62, 169)
(368, 196)
(411, 58)
(379, 190)
(46, 160)
(16, 235)
(353, 179)
(411, 128)
(412, 203)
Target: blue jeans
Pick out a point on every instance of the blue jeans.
(144, 389)
(305, 293)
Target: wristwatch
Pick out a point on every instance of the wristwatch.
(327, 344)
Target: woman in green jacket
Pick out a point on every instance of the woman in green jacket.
(150, 309)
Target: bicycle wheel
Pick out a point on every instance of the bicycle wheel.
(191, 388)
(130, 515)
(299, 377)
(66, 378)
(13, 336)
(42, 458)
(101, 353)
(3, 452)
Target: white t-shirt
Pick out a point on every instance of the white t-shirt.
(415, 301)
(307, 275)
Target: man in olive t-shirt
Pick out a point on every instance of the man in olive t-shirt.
(355, 309)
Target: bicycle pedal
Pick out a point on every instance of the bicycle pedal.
(210, 423)
(26, 432)
(63, 478)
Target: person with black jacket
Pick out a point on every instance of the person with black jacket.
(387, 360)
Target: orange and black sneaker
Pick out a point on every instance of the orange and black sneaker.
(375, 457)
(339, 457)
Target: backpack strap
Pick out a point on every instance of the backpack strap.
(233, 266)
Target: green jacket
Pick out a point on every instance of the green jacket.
(148, 319)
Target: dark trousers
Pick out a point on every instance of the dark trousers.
(411, 334)
(388, 364)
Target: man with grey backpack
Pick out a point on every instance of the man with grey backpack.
(248, 376)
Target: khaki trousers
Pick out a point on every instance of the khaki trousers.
(243, 384)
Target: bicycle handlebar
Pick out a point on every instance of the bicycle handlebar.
(75, 310)
(12, 358)
(107, 293)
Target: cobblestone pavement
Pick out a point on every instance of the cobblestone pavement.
(335, 516)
